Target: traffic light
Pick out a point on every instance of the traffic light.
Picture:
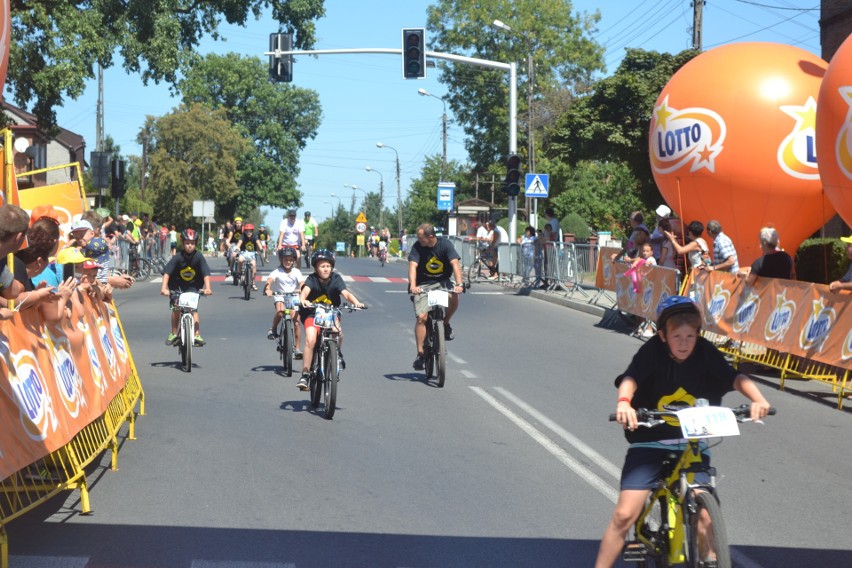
(513, 175)
(100, 169)
(281, 68)
(119, 184)
(414, 53)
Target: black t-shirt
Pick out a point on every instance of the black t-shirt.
(262, 235)
(249, 244)
(433, 264)
(111, 229)
(661, 380)
(187, 273)
(777, 264)
(323, 293)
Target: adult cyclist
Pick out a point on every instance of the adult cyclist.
(311, 230)
(432, 262)
(187, 271)
(248, 246)
(291, 234)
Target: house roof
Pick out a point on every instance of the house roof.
(66, 138)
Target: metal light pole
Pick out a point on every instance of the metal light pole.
(381, 196)
(398, 187)
(339, 202)
(425, 93)
(354, 188)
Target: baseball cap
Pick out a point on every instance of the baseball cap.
(663, 211)
(125, 218)
(291, 213)
(81, 225)
(42, 211)
(847, 240)
(89, 264)
(98, 250)
(70, 255)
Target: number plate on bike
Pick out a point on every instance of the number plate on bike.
(438, 298)
(292, 301)
(188, 300)
(708, 422)
(323, 318)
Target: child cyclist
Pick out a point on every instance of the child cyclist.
(248, 245)
(322, 286)
(676, 365)
(285, 280)
(187, 271)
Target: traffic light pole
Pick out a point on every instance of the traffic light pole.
(512, 68)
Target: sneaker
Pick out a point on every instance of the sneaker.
(419, 363)
(199, 341)
(170, 340)
(270, 335)
(297, 354)
(254, 287)
(303, 382)
(448, 332)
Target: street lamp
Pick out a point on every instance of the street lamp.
(339, 203)
(425, 93)
(355, 188)
(398, 187)
(381, 196)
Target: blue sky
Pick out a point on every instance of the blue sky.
(365, 100)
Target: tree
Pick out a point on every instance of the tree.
(194, 155)
(563, 54)
(56, 46)
(612, 122)
(278, 118)
(421, 204)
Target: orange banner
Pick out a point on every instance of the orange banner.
(66, 199)
(56, 379)
(636, 292)
(799, 318)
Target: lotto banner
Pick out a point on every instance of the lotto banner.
(799, 318)
(56, 379)
(640, 292)
(605, 274)
(65, 199)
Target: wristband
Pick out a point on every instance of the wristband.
(624, 399)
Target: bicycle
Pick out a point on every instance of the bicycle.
(247, 278)
(667, 532)
(325, 365)
(383, 255)
(139, 268)
(286, 345)
(307, 255)
(187, 304)
(483, 258)
(435, 343)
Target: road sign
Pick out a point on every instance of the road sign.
(536, 185)
(446, 191)
(361, 227)
(361, 218)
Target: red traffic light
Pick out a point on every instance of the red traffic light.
(414, 53)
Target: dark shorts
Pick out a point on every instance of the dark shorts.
(643, 467)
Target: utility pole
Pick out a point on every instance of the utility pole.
(99, 127)
(697, 6)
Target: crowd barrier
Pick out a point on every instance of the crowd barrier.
(67, 390)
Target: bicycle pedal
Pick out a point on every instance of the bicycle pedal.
(634, 552)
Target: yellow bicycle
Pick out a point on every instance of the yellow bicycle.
(682, 521)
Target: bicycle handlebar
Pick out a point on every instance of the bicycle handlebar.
(649, 417)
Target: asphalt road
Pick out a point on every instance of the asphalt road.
(512, 463)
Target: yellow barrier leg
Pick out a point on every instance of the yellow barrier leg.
(4, 547)
(86, 508)
(113, 463)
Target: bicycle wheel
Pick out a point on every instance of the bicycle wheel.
(701, 546)
(248, 279)
(428, 348)
(261, 258)
(285, 340)
(315, 381)
(187, 331)
(237, 273)
(141, 271)
(329, 394)
(439, 349)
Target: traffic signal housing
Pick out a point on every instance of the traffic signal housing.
(119, 184)
(414, 53)
(281, 68)
(513, 175)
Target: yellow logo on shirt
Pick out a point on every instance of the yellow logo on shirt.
(434, 266)
(187, 274)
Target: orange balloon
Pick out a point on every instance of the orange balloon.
(834, 131)
(732, 139)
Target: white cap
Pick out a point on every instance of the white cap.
(81, 225)
(663, 211)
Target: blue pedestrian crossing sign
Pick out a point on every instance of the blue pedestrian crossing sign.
(536, 185)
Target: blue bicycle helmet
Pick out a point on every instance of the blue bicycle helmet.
(674, 305)
(322, 254)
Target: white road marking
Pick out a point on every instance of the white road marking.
(456, 359)
(48, 561)
(574, 465)
(468, 374)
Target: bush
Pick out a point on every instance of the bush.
(574, 223)
(821, 260)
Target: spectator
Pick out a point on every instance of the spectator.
(845, 282)
(639, 235)
(695, 249)
(402, 244)
(724, 253)
(668, 255)
(529, 243)
(13, 232)
(775, 262)
(658, 238)
(552, 234)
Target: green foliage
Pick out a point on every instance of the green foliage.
(602, 193)
(56, 46)
(611, 123)
(821, 260)
(277, 117)
(421, 205)
(573, 223)
(558, 39)
(341, 227)
(194, 154)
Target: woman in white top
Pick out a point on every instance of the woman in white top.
(667, 250)
(696, 249)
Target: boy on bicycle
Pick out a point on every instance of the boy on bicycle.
(285, 280)
(675, 366)
(248, 246)
(322, 286)
(187, 271)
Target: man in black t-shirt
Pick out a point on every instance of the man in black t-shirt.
(432, 263)
(187, 271)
